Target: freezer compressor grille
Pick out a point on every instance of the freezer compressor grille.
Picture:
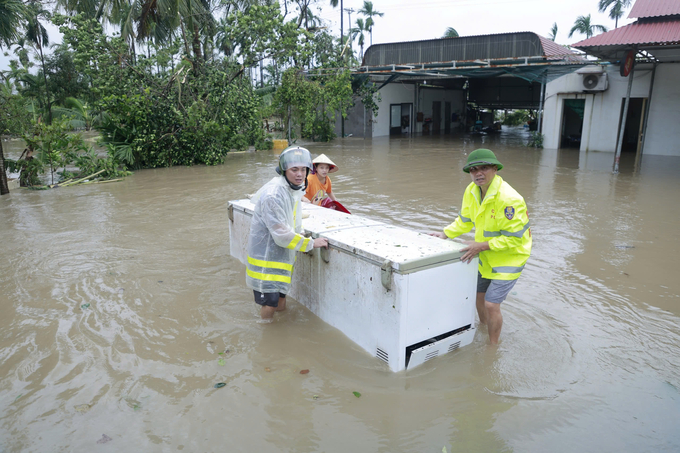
(454, 346)
(431, 355)
(382, 355)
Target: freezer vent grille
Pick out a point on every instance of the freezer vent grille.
(382, 355)
(431, 355)
(454, 346)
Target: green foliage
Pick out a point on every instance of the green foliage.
(54, 146)
(311, 103)
(15, 117)
(536, 140)
(90, 162)
(174, 103)
(260, 32)
(516, 117)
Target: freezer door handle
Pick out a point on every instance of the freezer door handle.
(386, 274)
(325, 253)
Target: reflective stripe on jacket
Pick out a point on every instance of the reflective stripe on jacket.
(275, 237)
(502, 219)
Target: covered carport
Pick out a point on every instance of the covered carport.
(429, 86)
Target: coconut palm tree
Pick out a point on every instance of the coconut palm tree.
(370, 13)
(11, 15)
(36, 35)
(615, 7)
(553, 32)
(450, 33)
(359, 31)
(585, 27)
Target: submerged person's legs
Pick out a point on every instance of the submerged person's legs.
(270, 302)
(492, 293)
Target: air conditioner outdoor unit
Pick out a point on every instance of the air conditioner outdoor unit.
(594, 82)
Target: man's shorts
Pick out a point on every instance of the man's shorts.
(268, 299)
(495, 290)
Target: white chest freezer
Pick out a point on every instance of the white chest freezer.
(404, 297)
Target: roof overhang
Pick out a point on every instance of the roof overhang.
(655, 40)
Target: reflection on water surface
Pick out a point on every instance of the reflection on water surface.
(121, 308)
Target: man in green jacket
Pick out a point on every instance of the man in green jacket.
(502, 235)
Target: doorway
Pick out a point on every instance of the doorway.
(400, 118)
(632, 135)
(436, 117)
(572, 123)
(447, 117)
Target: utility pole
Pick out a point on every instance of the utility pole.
(349, 33)
(342, 16)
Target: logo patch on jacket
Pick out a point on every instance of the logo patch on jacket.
(509, 212)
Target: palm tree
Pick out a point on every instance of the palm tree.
(359, 31)
(370, 13)
(36, 34)
(616, 11)
(450, 33)
(553, 31)
(11, 15)
(585, 27)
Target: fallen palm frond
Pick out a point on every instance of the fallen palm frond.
(81, 179)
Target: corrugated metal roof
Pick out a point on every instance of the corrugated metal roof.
(466, 48)
(640, 33)
(654, 8)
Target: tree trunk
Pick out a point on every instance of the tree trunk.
(48, 104)
(4, 187)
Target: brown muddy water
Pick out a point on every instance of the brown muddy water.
(122, 308)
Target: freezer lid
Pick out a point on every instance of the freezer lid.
(406, 250)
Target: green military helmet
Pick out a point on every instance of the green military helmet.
(481, 157)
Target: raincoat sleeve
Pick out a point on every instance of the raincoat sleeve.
(274, 217)
(511, 230)
(462, 224)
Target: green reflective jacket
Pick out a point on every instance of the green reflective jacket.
(502, 219)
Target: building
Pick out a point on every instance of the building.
(442, 85)
(585, 109)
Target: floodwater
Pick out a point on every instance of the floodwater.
(122, 308)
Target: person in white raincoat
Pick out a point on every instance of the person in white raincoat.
(275, 232)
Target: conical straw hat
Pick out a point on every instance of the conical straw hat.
(322, 159)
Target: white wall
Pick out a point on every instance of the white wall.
(393, 93)
(398, 93)
(603, 109)
(663, 128)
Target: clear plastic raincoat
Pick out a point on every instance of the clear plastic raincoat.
(275, 237)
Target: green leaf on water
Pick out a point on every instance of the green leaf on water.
(219, 385)
(220, 362)
(20, 395)
(220, 353)
(357, 394)
(84, 306)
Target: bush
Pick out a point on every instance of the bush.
(536, 140)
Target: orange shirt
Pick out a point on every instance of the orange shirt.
(316, 191)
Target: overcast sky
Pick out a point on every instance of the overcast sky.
(412, 20)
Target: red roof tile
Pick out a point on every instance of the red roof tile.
(654, 8)
(658, 32)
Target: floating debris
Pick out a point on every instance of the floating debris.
(82, 408)
(219, 385)
(357, 394)
(304, 371)
(104, 439)
(84, 306)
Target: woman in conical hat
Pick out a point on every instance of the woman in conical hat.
(319, 183)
